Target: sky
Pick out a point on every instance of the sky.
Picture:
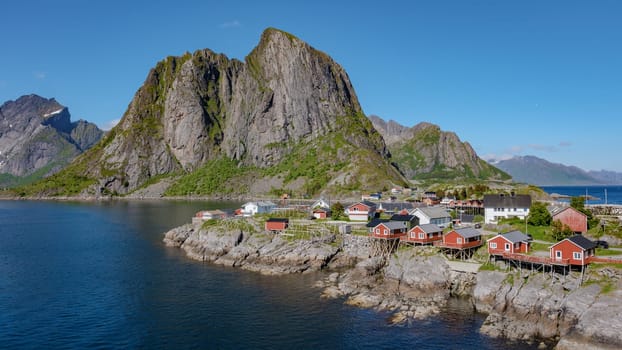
(524, 77)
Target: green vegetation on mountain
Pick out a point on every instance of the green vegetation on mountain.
(286, 118)
(426, 153)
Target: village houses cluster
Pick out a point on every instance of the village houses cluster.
(430, 223)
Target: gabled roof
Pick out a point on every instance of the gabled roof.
(374, 222)
(367, 203)
(507, 201)
(468, 232)
(580, 242)
(567, 208)
(515, 236)
(260, 204)
(429, 228)
(398, 217)
(392, 225)
(433, 212)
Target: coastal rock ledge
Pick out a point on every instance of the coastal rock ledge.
(416, 283)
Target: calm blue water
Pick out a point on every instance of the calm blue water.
(97, 276)
(613, 196)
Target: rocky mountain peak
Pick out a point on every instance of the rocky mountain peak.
(424, 151)
(37, 138)
(286, 98)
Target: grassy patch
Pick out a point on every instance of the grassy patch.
(211, 178)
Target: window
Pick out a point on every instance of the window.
(493, 245)
(386, 232)
(577, 255)
(421, 235)
(558, 254)
(507, 247)
(459, 240)
(378, 231)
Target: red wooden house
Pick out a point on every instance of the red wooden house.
(321, 213)
(276, 224)
(508, 243)
(575, 250)
(462, 238)
(390, 229)
(361, 211)
(424, 234)
(571, 217)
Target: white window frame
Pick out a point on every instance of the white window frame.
(493, 245)
(577, 255)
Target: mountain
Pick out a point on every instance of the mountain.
(426, 152)
(538, 171)
(607, 177)
(285, 119)
(37, 138)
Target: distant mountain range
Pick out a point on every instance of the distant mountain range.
(37, 139)
(538, 171)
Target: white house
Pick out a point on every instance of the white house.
(432, 215)
(261, 207)
(320, 204)
(504, 206)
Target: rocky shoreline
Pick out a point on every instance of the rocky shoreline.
(415, 283)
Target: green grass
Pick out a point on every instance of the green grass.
(212, 178)
(607, 252)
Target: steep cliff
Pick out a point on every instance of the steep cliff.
(285, 118)
(37, 138)
(426, 152)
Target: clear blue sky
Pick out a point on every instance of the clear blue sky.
(520, 77)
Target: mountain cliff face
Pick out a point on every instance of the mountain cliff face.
(425, 152)
(287, 117)
(37, 138)
(538, 171)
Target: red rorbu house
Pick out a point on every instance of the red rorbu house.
(423, 234)
(390, 229)
(462, 238)
(321, 213)
(276, 224)
(575, 250)
(508, 243)
(571, 217)
(361, 211)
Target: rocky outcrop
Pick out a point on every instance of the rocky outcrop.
(425, 151)
(287, 107)
(37, 137)
(252, 249)
(416, 283)
(526, 306)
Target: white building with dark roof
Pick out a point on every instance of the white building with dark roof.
(505, 206)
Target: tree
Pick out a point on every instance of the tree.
(539, 215)
(337, 210)
(560, 231)
(579, 204)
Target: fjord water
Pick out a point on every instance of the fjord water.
(602, 194)
(97, 275)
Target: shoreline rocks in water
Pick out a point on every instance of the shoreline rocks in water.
(416, 283)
